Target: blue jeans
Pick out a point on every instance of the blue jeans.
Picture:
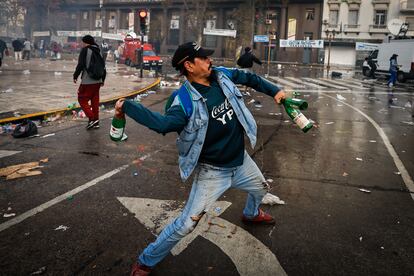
(209, 184)
(393, 77)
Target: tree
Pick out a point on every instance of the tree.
(195, 16)
(12, 13)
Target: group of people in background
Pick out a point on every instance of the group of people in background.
(24, 49)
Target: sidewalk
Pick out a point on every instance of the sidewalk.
(40, 86)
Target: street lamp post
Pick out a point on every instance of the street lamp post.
(331, 35)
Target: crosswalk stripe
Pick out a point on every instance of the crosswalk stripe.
(4, 153)
(324, 83)
(305, 83)
(344, 84)
(286, 82)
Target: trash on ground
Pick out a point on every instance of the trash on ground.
(48, 135)
(58, 73)
(340, 97)
(272, 199)
(286, 121)
(9, 215)
(26, 72)
(365, 191)
(408, 104)
(408, 123)
(217, 210)
(151, 92)
(345, 174)
(372, 141)
(9, 90)
(329, 123)
(397, 173)
(54, 118)
(81, 114)
(135, 174)
(269, 180)
(22, 170)
(39, 271)
(258, 105)
(360, 239)
(275, 114)
(62, 227)
(358, 158)
(251, 101)
(71, 105)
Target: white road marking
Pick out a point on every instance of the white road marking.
(249, 255)
(306, 83)
(398, 163)
(64, 196)
(286, 82)
(324, 83)
(4, 153)
(346, 85)
(58, 199)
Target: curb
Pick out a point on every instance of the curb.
(76, 107)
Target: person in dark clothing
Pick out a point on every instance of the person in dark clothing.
(3, 51)
(373, 66)
(246, 60)
(210, 144)
(105, 49)
(17, 48)
(89, 87)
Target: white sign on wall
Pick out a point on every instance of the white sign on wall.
(362, 46)
(301, 43)
(44, 33)
(220, 32)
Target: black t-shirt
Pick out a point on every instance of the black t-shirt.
(224, 143)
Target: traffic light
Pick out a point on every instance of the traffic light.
(143, 20)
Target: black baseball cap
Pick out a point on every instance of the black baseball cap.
(187, 51)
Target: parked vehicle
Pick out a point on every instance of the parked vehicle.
(404, 48)
(130, 56)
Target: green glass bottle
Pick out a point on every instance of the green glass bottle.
(117, 131)
(297, 117)
(297, 103)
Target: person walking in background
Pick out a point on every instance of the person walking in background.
(92, 67)
(17, 48)
(246, 60)
(211, 143)
(373, 67)
(42, 48)
(26, 49)
(3, 51)
(393, 70)
(105, 49)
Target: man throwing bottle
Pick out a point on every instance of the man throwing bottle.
(211, 131)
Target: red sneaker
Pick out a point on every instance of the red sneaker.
(261, 218)
(140, 270)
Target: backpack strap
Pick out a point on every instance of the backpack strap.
(184, 98)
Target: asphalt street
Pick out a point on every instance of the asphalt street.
(347, 184)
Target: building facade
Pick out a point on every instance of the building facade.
(172, 22)
(352, 21)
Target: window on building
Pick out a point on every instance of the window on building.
(73, 15)
(410, 21)
(380, 17)
(310, 14)
(333, 17)
(174, 32)
(85, 15)
(292, 29)
(353, 18)
(308, 36)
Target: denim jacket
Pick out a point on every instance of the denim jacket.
(191, 139)
(192, 131)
